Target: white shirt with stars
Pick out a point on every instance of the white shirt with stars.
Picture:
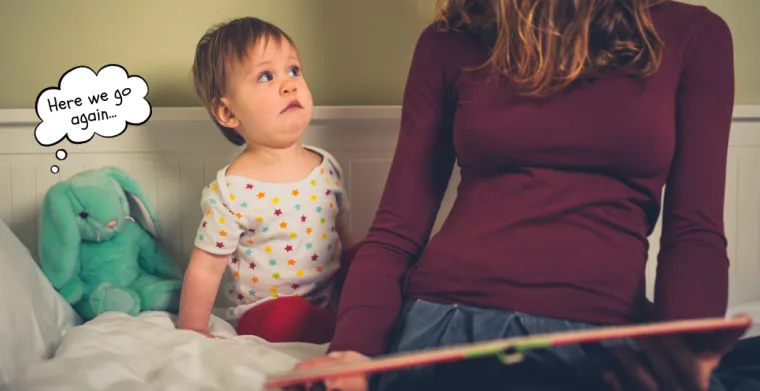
(281, 238)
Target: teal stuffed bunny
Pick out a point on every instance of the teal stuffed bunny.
(96, 250)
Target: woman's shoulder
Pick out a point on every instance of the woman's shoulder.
(437, 40)
(437, 33)
(679, 10)
(684, 24)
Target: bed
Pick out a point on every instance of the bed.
(46, 346)
(119, 352)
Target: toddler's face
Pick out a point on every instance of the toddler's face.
(268, 96)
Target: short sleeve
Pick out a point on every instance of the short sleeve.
(221, 227)
(340, 194)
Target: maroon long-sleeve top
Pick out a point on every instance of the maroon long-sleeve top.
(557, 196)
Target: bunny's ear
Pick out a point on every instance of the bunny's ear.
(58, 244)
(139, 206)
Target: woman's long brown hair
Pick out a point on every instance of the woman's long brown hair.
(545, 45)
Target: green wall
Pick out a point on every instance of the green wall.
(355, 52)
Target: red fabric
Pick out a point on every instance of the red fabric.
(293, 318)
(557, 196)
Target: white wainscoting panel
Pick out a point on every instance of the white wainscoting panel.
(179, 150)
(174, 155)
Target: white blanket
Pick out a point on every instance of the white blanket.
(116, 352)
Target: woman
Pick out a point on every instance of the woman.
(566, 118)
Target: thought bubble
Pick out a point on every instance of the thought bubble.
(86, 103)
(60, 155)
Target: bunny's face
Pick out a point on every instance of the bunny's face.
(100, 207)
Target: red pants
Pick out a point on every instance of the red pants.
(293, 318)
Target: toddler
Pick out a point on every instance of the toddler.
(276, 216)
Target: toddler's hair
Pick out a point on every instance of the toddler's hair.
(219, 46)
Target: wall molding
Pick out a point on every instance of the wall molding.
(747, 112)
(321, 114)
(373, 127)
(174, 114)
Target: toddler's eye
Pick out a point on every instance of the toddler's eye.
(266, 76)
(294, 71)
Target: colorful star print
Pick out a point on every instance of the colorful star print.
(276, 246)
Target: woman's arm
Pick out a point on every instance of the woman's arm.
(418, 178)
(692, 271)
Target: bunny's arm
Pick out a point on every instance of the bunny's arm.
(153, 258)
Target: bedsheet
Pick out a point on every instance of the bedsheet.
(117, 352)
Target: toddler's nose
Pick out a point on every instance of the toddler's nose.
(288, 88)
(112, 224)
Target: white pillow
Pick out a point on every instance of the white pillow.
(33, 316)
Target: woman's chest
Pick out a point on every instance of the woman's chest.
(616, 124)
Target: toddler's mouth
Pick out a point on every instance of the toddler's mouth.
(295, 104)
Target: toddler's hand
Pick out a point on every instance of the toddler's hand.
(205, 334)
(353, 383)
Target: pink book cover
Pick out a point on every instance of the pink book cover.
(508, 350)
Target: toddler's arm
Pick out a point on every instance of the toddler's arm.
(199, 289)
(216, 240)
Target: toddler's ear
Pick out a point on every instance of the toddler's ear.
(220, 109)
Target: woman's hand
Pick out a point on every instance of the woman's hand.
(354, 383)
(671, 362)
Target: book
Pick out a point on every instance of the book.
(508, 350)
